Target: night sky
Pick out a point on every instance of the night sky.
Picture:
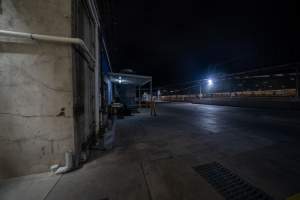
(178, 41)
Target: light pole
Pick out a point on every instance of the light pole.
(200, 94)
(210, 84)
(297, 82)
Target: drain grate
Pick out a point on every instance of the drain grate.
(231, 186)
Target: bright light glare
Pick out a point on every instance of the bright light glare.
(210, 82)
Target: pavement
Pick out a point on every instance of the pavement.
(33, 187)
(154, 157)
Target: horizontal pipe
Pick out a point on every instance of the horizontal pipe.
(49, 38)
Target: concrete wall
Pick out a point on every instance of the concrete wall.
(36, 117)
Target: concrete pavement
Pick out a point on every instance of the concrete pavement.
(34, 187)
(154, 157)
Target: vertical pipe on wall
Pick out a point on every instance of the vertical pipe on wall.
(97, 75)
(98, 83)
(97, 19)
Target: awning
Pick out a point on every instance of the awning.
(133, 79)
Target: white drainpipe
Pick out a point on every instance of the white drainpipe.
(68, 164)
(49, 38)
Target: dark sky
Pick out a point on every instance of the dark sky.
(177, 41)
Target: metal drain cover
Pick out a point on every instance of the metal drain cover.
(231, 186)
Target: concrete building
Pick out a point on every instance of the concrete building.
(49, 86)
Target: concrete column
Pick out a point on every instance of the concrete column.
(36, 89)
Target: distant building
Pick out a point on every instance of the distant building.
(128, 87)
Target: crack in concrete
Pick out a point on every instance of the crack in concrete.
(52, 188)
(146, 181)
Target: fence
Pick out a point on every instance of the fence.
(265, 93)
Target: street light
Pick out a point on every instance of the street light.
(210, 82)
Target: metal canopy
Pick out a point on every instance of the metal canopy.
(133, 79)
